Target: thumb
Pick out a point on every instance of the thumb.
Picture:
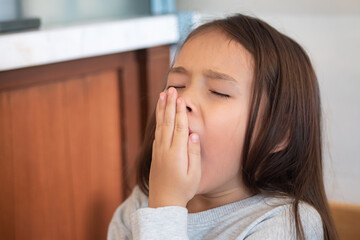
(194, 155)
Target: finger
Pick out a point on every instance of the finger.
(153, 151)
(167, 127)
(194, 154)
(181, 129)
(160, 111)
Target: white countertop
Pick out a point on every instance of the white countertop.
(43, 46)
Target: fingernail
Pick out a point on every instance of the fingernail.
(171, 90)
(194, 138)
(162, 96)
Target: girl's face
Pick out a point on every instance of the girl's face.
(209, 68)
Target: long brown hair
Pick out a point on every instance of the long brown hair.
(291, 112)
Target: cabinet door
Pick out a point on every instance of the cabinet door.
(69, 136)
(60, 165)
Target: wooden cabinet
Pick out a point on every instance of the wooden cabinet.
(69, 136)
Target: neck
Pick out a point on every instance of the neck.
(203, 202)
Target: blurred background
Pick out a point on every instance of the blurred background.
(79, 79)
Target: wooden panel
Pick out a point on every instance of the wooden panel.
(58, 71)
(158, 66)
(63, 171)
(131, 110)
(347, 220)
(7, 218)
(154, 65)
(151, 68)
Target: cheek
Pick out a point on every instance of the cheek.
(221, 148)
(224, 139)
(221, 159)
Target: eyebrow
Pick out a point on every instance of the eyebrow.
(210, 74)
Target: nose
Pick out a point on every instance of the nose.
(188, 94)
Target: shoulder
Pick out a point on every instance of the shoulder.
(277, 220)
(309, 216)
(122, 214)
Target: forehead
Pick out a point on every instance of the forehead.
(215, 50)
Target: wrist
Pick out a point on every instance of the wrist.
(156, 203)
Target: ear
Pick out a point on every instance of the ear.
(283, 144)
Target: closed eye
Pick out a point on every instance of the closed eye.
(220, 94)
(216, 93)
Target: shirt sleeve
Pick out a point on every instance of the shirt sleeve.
(133, 219)
(160, 223)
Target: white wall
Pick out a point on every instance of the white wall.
(273, 6)
(330, 33)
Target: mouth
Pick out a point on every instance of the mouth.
(190, 132)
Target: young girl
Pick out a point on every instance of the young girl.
(233, 150)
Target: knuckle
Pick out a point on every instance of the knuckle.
(194, 152)
(157, 126)
(168, 122)
(157, 129)
(180, 127)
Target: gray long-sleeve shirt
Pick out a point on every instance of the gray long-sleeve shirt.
(256, 217)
